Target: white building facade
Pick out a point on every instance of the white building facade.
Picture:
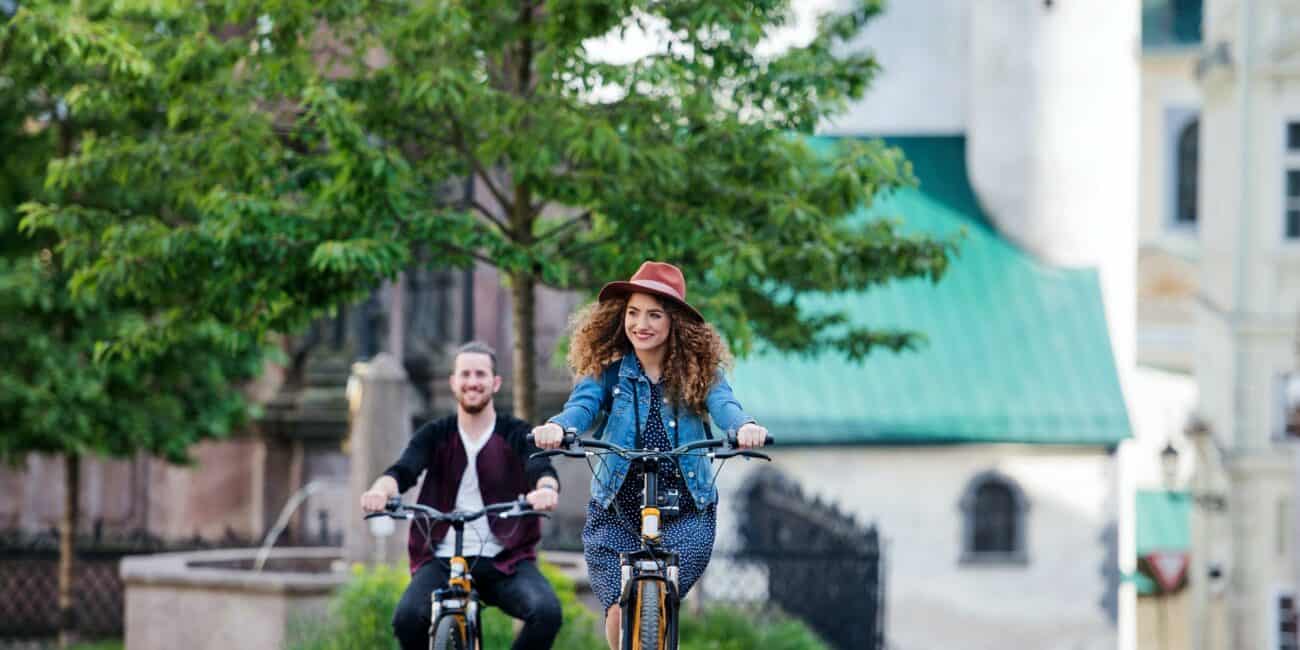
(1246, 312)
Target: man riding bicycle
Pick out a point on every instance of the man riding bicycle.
(473, 458)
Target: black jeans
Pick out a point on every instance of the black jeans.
(526, 595)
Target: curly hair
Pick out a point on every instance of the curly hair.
(694, 352)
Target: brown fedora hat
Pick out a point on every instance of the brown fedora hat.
(656, 278)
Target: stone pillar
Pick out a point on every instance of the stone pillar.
(380, 428)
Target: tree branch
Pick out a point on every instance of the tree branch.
(568, 225)
(569, 252)
(474, 254)
(495, 220)
(477, 165)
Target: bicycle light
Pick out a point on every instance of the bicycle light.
(382, 526)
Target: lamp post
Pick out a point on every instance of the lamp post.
(1207, 506)
(1169, 465)
(1169, 471)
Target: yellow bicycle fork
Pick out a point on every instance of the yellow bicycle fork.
(650, 533)
(459, 578)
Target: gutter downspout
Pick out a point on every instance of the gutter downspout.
(1242, 439)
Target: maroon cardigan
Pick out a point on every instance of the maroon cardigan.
(504, 473)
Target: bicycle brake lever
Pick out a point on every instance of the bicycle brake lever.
(742, 452)
(519, 512)
(558, 452)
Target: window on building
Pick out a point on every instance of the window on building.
(1187, 181)
(1284, 523)
(1293, 204)
(1287, 636)
(994, 511)
(1291, 208)
(1182, 134)
(1288, 405)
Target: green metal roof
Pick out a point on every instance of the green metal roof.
(1163, 524)
(1172, 23)
(1018, 351)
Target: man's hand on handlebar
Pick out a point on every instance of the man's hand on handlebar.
(376, 498)
(543, 499)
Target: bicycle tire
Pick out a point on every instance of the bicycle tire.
(650, 628)
(449, 635)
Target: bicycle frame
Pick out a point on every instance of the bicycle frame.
(458, 599)
(649, 563)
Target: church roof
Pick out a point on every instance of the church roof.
(1017, 352)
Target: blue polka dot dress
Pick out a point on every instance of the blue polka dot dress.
(611, 531)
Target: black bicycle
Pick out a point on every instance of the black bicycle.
(648, 593)
(455, 616)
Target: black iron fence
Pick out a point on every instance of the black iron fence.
(29, 570)
(822, 566)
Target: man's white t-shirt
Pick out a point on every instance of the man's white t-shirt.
(469, 497)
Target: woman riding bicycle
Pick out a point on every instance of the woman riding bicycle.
(669, 378)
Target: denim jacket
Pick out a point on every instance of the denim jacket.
(682, 425)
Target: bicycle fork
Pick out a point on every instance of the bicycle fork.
(649, 566)
(457, 600)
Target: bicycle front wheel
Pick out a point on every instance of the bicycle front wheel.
(650, 616)
(450, 634)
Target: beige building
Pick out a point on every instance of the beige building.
(1246, 309)
(1218, 287)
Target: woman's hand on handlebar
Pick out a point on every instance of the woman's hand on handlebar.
(751, 435)
(548, 436)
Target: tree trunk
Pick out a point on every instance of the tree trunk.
(522, 286)
(67, 548)
(525, 351)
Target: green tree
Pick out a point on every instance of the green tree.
(58, 71)
(328, 143)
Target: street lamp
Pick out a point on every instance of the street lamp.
(1169, 465)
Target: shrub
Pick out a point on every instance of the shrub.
(107, 644)
(362, 611)
(729, 628)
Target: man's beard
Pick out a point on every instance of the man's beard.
(472, 409)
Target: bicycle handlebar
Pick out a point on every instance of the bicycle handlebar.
(571, 439)
(504, 510)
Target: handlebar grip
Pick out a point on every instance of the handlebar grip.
(393, 504)
(732, 441)
(570, 436)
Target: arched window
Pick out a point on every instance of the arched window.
(1187, 173)
(994, 530)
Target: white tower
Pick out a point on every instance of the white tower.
(1052, 128)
